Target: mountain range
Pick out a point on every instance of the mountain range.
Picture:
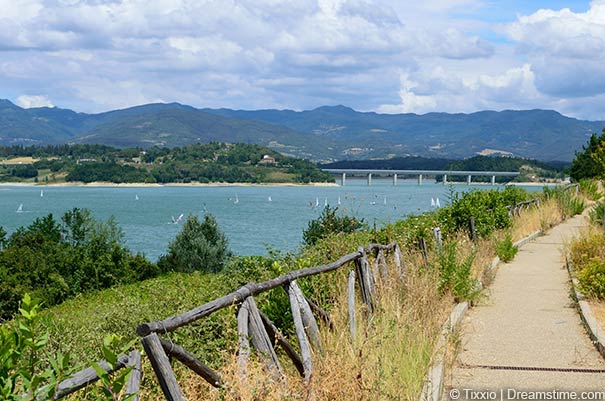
(324, 134)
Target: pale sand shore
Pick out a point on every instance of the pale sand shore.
(144, 185)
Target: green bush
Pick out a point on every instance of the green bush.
(455, 275)
(505, 249)
(329, 222)
(200, 245)
(566, 199)
(592, 278)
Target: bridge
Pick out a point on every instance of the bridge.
(420, 173)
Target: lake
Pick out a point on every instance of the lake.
(253, 217)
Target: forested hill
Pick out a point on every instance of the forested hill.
(205, 163)
(326, 133)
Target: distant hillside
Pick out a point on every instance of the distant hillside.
(326, 133)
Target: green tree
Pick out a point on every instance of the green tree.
(200, 245)
(329, 222)
(590, 162)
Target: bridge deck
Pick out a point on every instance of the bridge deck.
(424, 172)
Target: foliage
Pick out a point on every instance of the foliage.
(592, 278)
(590, 162)
(455, 275)
(597, 214)
(25, 372)
(55, 261)
(505, 249)
(488, 208)
(568, 203)
(590, 188)
(328, 223)
(112, 385)
(199, 246)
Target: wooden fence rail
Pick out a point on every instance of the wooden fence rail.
(257, 331)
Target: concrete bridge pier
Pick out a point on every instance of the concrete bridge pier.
(369, 179)
(444, 179)
(468, 179)
(493, 180)
(343, 180)
(395, 180)
(419, 179)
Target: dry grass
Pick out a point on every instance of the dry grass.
(541, 218)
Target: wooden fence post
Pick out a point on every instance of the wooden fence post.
(473, 231)
(308, 319)
(351, 305)
(272, 331)
(133, 385)
(161, 367)
(305, 349)
(437, 234)
(243, 342)
(380, 265)
(260, 338)
(424, 252)
(364, 281)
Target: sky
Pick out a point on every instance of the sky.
(387, 56)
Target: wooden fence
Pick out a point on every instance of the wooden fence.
(257, 331)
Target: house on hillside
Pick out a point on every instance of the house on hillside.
(268, 160)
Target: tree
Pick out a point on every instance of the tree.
(590, 162)
(330, 223)
(199, 246)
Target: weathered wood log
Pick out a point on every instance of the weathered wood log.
(85, 377)
(380, 264)
(423, 250)
(305, 349)
(161, 366)
(322, 313)
(368, 275)
(437, 234)
(260, 338)
(471, 226)
(184, 357)
(273, 332)
(363, 285)
(351, 305)
(243, 353)
(133, 385)
(308, 319)
(399, 265)
(238, 296)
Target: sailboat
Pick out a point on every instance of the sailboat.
(270, 200)
(317, 201)
(236, 201)
(41, 193)
(437, 204)
(20, 208)
(178, 219)
(385, 200)
(136, 197)
(339, 201)
(326, 202)
(432, 202)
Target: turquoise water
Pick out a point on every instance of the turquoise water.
(252, 224)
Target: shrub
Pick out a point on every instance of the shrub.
(455, 275)
(590, 188)
(329, 222)
(592, 278)
(199, 246)
(505, 249)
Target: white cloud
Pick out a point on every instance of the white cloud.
(27, 101)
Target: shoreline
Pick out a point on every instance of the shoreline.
(97, 184)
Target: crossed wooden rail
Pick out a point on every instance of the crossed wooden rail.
(256, 330)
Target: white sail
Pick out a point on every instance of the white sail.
(178, 219)
(136, 197)
(326, 202)
(41, 193)
(385, 200)
(236, 201)
(437, 203)
(339, 201)
(20, 208)
(317, 201)
(432, 202)
(270, 200)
